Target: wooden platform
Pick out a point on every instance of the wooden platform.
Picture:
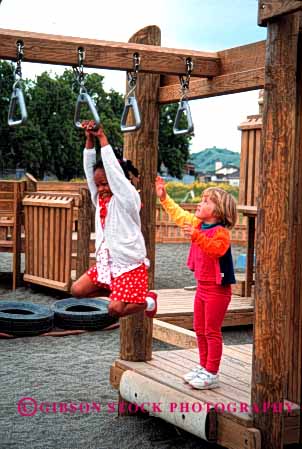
(232, 399)
(175, 306)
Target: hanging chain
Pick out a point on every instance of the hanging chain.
(79, 71)
(132, 76)
(20, 54)
(185, 81)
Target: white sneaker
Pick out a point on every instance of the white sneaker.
(191, 374)
(205, 381)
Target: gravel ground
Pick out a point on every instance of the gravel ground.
(76, 369)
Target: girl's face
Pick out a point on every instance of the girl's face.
(101, 183)
(205, 210)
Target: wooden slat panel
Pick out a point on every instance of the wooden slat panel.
(35, 241)
(51, 244)
(7, 186)
(57, 255)
(243, 168)
(68, 240)
(257, 161)
(30, 233)
(62, 244)
(6, 206)
(41, 240)
(6, 195)
(46, 244)
(49, 232)
(63, 50)
(251, 168)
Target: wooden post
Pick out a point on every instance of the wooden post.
(141, 147)
(278, 238)
(18, 191)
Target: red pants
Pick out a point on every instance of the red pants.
(210, 306)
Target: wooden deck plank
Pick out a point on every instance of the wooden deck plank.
(169, 379)
(175, 306)
(235, 425)
(239, 389)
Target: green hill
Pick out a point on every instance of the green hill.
(204, 161)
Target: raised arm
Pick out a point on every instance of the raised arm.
(124, 192)
(177, 213)
(89, 159)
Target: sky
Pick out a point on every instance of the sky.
(204, 25)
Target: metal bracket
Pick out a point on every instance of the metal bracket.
(130, 100)
(130, 103)
(183, 109)
(84, 98)
(17, 98)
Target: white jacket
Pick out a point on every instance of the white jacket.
(122, 233)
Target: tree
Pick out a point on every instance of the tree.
(173, 150)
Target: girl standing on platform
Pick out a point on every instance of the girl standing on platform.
(210, 258)
(121, 263)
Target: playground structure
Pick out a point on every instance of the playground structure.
(270, 371)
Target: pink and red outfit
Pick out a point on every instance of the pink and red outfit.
(211, 260)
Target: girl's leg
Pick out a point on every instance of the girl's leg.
(199, 327)
(216, 306)
(129, 293)
(85, 288)
(121, 309)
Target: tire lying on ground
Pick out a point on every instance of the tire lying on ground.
(24, 318)
(84, 313)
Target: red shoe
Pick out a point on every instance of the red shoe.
(152, 313)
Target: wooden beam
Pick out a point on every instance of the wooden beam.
(277, 243)
(141, 147)
(270, 9)
(63, 50)
(219, 85)
(232, 60)
(174, 335)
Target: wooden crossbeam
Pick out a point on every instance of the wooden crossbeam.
(219, 85)
(269, 9)
(232, 60)
(63, 50)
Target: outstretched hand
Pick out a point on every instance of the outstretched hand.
(160, 188)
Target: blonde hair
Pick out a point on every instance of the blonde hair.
(225, 209)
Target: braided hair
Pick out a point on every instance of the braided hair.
(126, 165)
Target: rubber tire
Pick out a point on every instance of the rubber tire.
(83, 313)
(33, 319)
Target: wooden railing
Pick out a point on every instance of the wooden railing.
(168, 232)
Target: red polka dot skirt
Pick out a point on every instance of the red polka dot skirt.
(130, 287)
